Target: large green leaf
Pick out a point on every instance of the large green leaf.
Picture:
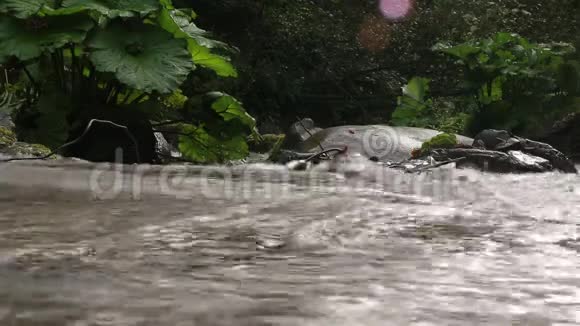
(180, 25)
(25, 41)
(231, 109)
(147, 58)
(24, 8)
(203, 57)
(198, 145)
(413, 104)
(110, 8)
(417, 88)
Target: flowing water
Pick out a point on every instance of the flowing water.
(256, 245)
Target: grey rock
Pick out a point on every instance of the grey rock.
(534, 163)
(379, 142)
(6, 120)
(164, 151)
(491, 138)
(299, 132)
(493, 161)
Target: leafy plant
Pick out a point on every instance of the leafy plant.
(515, 82)
(413, 106)
(417, 109)
(84, 55)
(443, 140)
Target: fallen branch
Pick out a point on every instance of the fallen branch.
(324, 152)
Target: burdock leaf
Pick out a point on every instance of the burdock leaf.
(148, 58)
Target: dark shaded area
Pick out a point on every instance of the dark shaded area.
(102, 141)
(341, 62)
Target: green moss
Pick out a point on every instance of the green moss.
(7, 137)
(29, 150)
(443, 140)
(276, 149)
(265, 144)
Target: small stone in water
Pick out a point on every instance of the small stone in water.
(267, 244)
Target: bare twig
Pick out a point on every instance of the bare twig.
(166, 123)
(78, 139)
(324, 152)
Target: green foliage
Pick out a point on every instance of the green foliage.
(80, 55)
(413, 107)
(7, 138)
(180, 24)
(109, 8)
(29, 39)
(221, 132)
(443, 140)
(417, 109)
(515, 82)
(199, 145)
(24, 8)
(231, 109)
(175, 100)
(265, 144)
(157, 62)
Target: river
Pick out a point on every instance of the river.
(84, 244)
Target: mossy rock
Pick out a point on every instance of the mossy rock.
(20, 149)
(440, 141)
(266, 144)
(7, 138)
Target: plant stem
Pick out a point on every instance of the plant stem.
(29, 75)
(74, 71)
(56, 68)
(139, 98)
(167, 123)
(117, 89)
(128, 96)
(61, 68)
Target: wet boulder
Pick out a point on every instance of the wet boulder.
(493, 161)
(377, 142)
(500, 151)
(165, 152)
(490, 138)
(299, 132)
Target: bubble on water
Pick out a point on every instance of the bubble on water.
(395, 9)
